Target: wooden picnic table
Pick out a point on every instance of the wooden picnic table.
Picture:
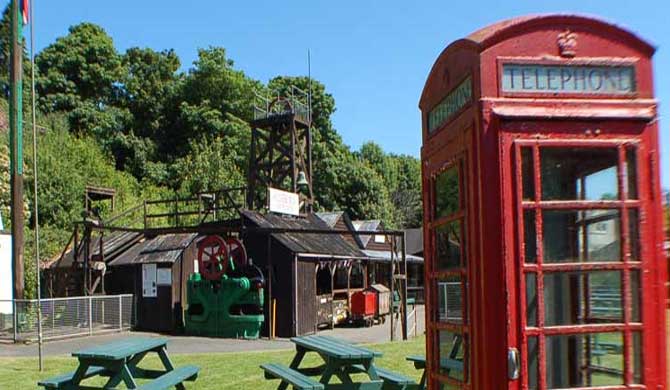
(340, 359)
(119, 362)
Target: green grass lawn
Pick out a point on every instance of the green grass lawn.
(218, 371)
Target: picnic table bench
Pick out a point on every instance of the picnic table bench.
(420, 364)
(119, 361)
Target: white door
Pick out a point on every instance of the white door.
(149, 281)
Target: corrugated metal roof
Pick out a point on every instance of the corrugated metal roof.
(330, 218)
(371, 225)
(386, 256)
(113, 245)
(165, 248)
(414, 241)
(303, 243)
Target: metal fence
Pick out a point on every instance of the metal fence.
(66, 317)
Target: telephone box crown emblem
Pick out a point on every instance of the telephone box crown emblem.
(567, 43)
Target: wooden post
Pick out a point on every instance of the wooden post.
(90, 315)
(271, 322)
(392, 284)
(145, 214)
(16, 149)
(403, 295)
(332, 271)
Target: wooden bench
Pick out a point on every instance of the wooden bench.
(290, 376)
(172, 378)
(392, 380)
(65, 381)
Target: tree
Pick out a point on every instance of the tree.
(151, 81)
(5, 60)
(361, 192)
(80, 74)
(82, 66)
(208, 168)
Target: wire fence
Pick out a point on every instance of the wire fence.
(66, 317)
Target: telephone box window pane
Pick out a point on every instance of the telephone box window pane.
(634, 234)
(530, 236)
(586, 360)
(450, 300)
(631, 173)
(575, 298)
(574, 236)
(447, 192)
(531, 299)
(450, 386)
(453, 355)
(637, 357)
(533, 360)
(579, 173)
(448, 245)
(636, 293)
(527, 176)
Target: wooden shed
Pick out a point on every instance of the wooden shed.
(292, 263)
(155, 271)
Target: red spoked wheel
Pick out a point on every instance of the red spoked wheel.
(212, 257)
(237, 252)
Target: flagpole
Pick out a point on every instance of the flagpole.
(16, 152)
(38, 281)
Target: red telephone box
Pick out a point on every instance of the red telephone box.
(543, 229)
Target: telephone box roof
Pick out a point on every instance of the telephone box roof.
(494, 33)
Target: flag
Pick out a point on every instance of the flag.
(25, 11)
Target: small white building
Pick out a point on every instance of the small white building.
(5, 273)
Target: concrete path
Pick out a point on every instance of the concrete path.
(188, 344)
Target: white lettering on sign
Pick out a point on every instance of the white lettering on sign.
(458, 98)
(598, 80)
(283, 202)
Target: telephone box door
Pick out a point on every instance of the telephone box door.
(582, 269)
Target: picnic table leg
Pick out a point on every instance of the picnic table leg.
(422, 383)
(371, 370)
(127, 378)
(165, 359)
(132, 367)
(295, 364)
(341, 372)
(79, 374)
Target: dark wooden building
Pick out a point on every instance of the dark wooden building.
(301, 268)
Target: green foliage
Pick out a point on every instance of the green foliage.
(66, 165)
(83, 66)
(5, 60)
(208, 167)
(134, 122)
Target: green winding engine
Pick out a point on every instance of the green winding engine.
(225, 296)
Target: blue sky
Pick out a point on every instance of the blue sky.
(373, 56)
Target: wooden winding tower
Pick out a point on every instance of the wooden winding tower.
(281, 147)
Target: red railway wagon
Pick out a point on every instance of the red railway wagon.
(541, 187)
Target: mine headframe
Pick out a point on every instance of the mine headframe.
(281, 147)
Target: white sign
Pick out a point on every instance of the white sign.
(283, 202)
(149, 281)
(5, 274)
(572, 79)
(164, 277)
